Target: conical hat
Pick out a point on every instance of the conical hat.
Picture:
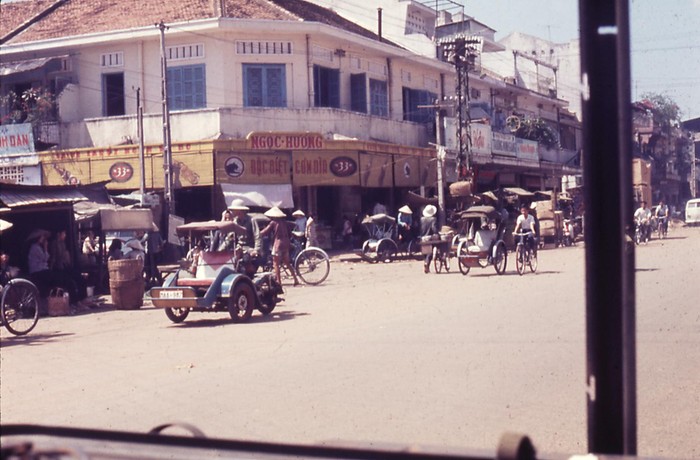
(405, 209)
(275, 213)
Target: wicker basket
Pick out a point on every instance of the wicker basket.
(127, 294)
(125, 269)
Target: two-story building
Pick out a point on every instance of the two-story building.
(273, 98)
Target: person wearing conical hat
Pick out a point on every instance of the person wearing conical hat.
(281, 245)
(299, 221)
(404, 221)
(428, 227)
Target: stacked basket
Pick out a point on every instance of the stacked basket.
(126, 284)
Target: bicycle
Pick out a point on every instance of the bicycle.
(312, 265)
(19, 307)
(662, 227)
(524, 254)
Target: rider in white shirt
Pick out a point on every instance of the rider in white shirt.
(526, 223)
(642, 217)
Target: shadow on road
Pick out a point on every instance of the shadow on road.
(646, 269)
(275, 316)
(32, 339)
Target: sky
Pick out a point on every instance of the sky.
(665, 39)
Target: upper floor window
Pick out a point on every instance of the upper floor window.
(186, 87)
(378, 98)
(113, 103)
(326, 87)
(412, 99)
(358, 92)
(264, 85)
(180, 52)
(255, 47)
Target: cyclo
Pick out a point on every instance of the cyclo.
(217, 281)
(380, 245)
(483, 243)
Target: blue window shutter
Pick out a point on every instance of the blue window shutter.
(317, 86)
(334, 88)
(264, 85)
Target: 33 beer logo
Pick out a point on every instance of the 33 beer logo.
(343, 166)
(121, 171)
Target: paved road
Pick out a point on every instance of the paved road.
(378, 353)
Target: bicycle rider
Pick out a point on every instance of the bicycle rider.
(662, 215)
(642, 217)
(525, 223)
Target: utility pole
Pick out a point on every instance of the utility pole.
(139, 129)
(167, 150)
(462, 51)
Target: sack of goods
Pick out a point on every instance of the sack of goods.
(58, 302)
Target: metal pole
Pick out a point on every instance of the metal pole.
(610, 288)
(440, 165)
(142, 165)
(167, 150)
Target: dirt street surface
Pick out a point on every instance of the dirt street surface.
(378, 353)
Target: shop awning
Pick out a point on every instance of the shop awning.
(518, 191)
(127, 220)
(17, 196)
(10, 68)
(261, 195)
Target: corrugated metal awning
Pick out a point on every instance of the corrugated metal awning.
(10, 68)
(13, 197)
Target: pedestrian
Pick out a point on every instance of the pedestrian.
(300, 221)
(114, 252)
(346, 232)
(428, 227)
(310, 234)
(405, 221)
(90, 248)
(280, 231)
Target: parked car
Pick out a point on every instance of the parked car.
(692, 212)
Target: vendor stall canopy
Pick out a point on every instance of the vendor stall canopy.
(136, 220)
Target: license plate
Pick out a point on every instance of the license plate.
(171, 294)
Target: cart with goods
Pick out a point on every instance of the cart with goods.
(216, 281)
(442, 248)
(483, 244)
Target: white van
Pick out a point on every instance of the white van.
(692, 212)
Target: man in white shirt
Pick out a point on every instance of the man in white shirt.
(526, 223)
(642, 216)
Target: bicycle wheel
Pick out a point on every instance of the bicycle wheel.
(437, 262)
(312, 266)
(369, 251)
(386, 250)
(520, 259)
(462, 252)
(500, 260)
(20, 306)
(532, 261)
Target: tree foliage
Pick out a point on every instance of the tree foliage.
(536, 129)
(665, 111)
(35, 106)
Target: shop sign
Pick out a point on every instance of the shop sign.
(428, 174)
(504, 144)
(190, 169)
(527, 150)
(375, 170)
(121, 171)
(324, 168)
(406, 171)
(253, 168)
(481, 139)
(66, 172)
(17, 145)
(284, 141)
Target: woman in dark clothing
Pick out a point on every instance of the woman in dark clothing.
(281, 245)
(428, 226)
